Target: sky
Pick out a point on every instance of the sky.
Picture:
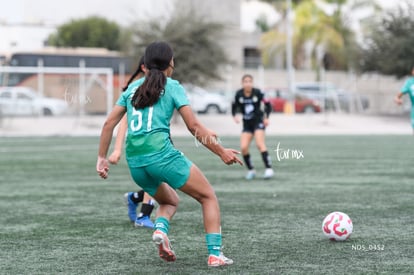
(20, 19)
(56, 12)
(52, 13)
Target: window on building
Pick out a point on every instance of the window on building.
(252, 58)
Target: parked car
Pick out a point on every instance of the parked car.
(24, 101)
(331, 97)
(205, 102)
(279, 97)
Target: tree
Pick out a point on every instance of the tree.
(198, 54)
(389, 49)
(88, 32)
(347, 56)
(314, 28)
(282, 3)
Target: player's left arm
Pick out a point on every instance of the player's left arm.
(404, 90)
(267, 108)
(119, 141)
(398, 99)
(207, 137)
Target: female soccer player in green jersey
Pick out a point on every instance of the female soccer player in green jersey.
(133, 199)
(408, 88)
(154, 163)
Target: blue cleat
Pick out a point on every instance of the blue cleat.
(132, 207)
(144, 221)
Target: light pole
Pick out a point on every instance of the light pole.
(289, 51)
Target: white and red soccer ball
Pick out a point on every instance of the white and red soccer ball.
(337, 226)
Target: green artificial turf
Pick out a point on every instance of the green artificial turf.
(58, 217)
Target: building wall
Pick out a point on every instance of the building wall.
(23, 37)
(228, 13)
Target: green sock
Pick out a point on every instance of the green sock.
(162, 224)
(213, 243)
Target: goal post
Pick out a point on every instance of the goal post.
(89, 79)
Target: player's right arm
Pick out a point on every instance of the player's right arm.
(119, 141)
(102, 165)
(234, 108)
(207, 137)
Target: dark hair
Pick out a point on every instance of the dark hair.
(137, 72)
(157, 58)
(247, 76)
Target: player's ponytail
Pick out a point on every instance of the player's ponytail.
(137, 72)
(157, 58)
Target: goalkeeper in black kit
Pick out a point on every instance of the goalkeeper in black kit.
(251, 103)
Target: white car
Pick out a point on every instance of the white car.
(24, 101)
(205, 102)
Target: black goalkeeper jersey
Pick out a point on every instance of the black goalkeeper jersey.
(252, 107)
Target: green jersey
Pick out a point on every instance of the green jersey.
(408, 88)
(149, 128)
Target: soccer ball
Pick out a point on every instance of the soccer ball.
(337, 226)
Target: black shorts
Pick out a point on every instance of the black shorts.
(250, 126)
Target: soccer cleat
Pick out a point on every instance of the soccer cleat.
(144, 221)
(268, 173)
(132, 207)
(164, 248)
(221, 260)
(251, 174)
